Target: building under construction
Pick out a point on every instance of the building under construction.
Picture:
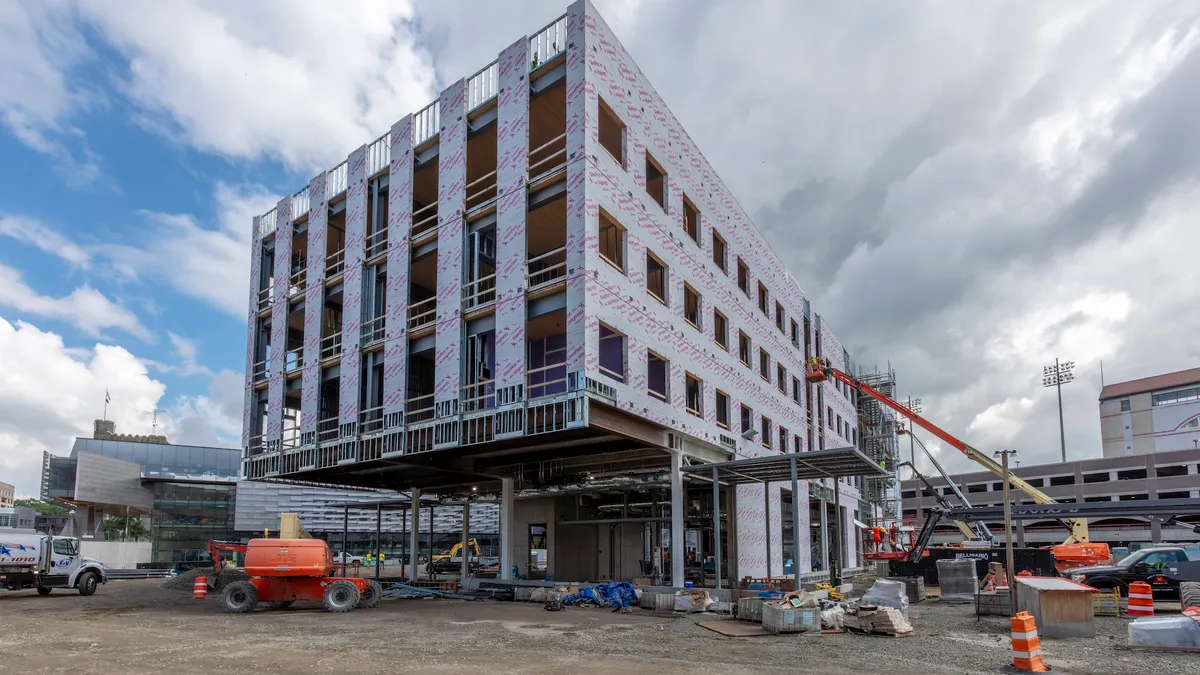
(536, 291)
(878, 441)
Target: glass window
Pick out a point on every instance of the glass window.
(1125, 405)
(64, 547)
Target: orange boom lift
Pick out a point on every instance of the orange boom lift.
(282, 571)
(1076, 548)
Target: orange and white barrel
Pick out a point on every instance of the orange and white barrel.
(1141, 599)
(200, 588)
(1026, 648)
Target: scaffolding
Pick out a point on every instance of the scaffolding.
(878, 440)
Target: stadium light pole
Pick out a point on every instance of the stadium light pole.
(1056, 376)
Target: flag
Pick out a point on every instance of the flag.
(107, 398)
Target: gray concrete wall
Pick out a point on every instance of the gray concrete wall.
(525, 513)
(108, 481)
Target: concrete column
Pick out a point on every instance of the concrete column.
(678, 543)
(716, 497)
(314, 303)
(415, 549)
(452, 195)
(465, 568)
(352, 292)
(251, 333)
(512, 152)
(824, 535)
(507, 531)
(400, 206)
(279, 321)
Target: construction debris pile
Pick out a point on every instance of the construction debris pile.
(184, 581)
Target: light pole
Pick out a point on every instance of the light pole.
(1008, 546)
(914, 405)
(1056, 376)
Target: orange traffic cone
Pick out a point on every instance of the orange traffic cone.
(1141, 599)
(200, 588)
(1027, 650)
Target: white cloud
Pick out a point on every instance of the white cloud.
(304, 82)
(51, 393)
(185, 363)
(85, 308)
(34, 233)
(208, 264)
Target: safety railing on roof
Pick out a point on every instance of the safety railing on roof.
(482, 86)
(379, 154)
(335, 181)
(424, 219)
(547, 268)
(266, 224)
(373, 331)
(266, 295)
(293, 360)
(298, 279)
(301, 203)
(546, 381)
(481, 191)
(370, 420)
(548, 42)
(426, 123)
(262, 370)
(422, 314)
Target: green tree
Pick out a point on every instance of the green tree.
(43, 508)
(137, 529)
(125, 528)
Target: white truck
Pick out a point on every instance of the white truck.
(47, 562)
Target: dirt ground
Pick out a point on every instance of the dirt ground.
(136, 627)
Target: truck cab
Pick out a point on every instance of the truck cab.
(45, 562)
(1147, 564)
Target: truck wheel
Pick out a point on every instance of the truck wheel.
(42, 590)
(341, 596)
(87, 583)
(239, 597)
(1189, 594)
(371, 595)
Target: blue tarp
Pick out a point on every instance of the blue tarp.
(616, 594)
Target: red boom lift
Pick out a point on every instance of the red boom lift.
(282, 571)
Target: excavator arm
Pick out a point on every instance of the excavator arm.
(819, 370)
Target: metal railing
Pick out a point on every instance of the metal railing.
(546, 386)
(373, 331)
(548, 158)
(482, 86)
(301, 204)
(335, 263)
(422, 314)
(265, 295)
(426, 123)
(262, 369)
(370, 420)
(293, 360)
(419, 408)
(331, 346)
(546, 269)
(299, 280)
(481, 191)
(257, 444)
(335, 180)
(266, 224)
(478, 396)
(327, 429)
(424, 219)
(548, 42)
(479, 293)
(377, 243)
(379, 154)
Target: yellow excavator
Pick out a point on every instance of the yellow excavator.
(444, 561)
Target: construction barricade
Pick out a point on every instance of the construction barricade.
(200, 588)
(1141, 599)
(1027, 650)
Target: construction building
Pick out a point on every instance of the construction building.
(7, 495)
(1151, 414)
(536, 290)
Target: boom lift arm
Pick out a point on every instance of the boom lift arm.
(819, 370)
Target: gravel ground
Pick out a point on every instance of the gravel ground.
(137, 627)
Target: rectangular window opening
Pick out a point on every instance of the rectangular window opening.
(722, 409)
(612, 133)
(694, 388)
(612, 242)
(691, 219)
(743, 273)
(658, 376)
(612, 353)
(719, 251)
(691, 306)
(656, 277)
(721, 329)
(656, 181)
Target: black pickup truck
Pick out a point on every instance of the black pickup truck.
(1166, 568)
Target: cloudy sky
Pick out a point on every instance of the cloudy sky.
(964, 190)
